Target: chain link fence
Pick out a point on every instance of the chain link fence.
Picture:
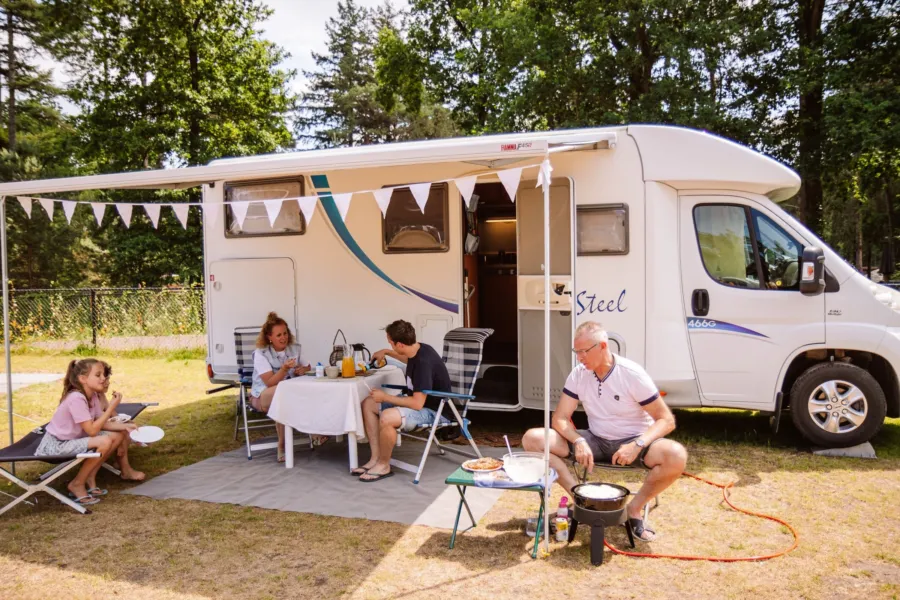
(92, 315)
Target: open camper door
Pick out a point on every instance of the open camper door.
(745, 314)
(240, 293)
(530, 284)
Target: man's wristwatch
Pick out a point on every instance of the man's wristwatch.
(640, 443)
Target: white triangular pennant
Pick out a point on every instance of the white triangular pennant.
(99, 210)
(466, 185)
(68, 209)
(342, 201)
(240, 212)
(181, 211)
(543, 178)
(125, 213)
(383, 198)
(25, 201)
(273, 207)
(420, 192)
(152, 211)
(47, 203)
(510, 179)
(308, 207)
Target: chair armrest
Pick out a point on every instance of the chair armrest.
(449, 395)
(392, 386)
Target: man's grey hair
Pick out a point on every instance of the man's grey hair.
(593, 330)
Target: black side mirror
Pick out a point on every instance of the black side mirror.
(812, 271)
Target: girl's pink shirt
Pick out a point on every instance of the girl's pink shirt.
(71, 413)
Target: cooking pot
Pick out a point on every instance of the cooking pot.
(602, 504)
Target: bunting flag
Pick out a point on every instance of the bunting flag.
(383, 198)
(308, 207)
(273, 207)
(152, 211)
(420, 192)
(26, 204)
(47, 203)
(181, 211)
(342, 201)
(543, 178)
(240, 212)
(99, 211)
(69, 209)
(125, 213)
(466, 185)
(510, 179)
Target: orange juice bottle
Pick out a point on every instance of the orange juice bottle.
(347, 367)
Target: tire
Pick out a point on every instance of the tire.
(854, 418)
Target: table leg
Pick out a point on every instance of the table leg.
(462, 502)
(351, 449)
(288, 447)
(539, 528)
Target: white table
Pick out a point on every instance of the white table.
(323, 406)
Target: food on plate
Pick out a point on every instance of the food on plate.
(483, 464)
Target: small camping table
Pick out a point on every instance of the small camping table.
(463, 479)
(322, 406)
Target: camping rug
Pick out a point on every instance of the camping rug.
(320, 483)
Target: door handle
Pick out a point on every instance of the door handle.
(700, 303)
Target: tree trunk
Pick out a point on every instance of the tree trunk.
(194, 125)
(11, 78)
(811, 110)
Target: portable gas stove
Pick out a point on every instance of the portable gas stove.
(598, 520)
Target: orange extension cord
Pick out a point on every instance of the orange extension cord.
(724, 488)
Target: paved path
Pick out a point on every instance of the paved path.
(20, 380)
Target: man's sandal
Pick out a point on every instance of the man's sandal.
(640, 531)
(358, 471)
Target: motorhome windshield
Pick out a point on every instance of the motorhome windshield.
(801, 228)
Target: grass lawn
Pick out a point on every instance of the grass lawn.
(132, 547)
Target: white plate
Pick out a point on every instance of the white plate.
(120, 418)
(465, 467)
(147, 434)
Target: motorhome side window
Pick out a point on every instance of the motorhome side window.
(602, 229)
(289, 221)
(743, 248)
(406, 228)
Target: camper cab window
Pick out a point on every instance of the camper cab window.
(290, 220)
(602, 229)
(743, 248)
(405, 228)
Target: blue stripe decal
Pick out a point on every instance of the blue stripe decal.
(334, 216)
(696, 324)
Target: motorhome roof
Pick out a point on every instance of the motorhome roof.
(683, 158)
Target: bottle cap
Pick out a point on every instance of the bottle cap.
(564, 501)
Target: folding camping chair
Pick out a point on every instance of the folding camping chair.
(462, 355)
(244, 345)
(24, 451)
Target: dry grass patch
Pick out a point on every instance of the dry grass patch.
(136, 547)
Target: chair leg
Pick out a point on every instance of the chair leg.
(44, 486)
(465, 430)
(434, 426)
(246, 428)
(237, 416)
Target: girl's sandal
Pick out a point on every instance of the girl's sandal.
(97, 492)
(86, 500)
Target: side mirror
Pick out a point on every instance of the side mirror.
(812, 271)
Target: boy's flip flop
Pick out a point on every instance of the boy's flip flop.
(97, 492)
(375, 477)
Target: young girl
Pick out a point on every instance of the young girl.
(275, 359)
(77, 426)
(128, 472)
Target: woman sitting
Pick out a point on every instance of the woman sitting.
(275, 359)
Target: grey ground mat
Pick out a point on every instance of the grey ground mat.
(320, 483)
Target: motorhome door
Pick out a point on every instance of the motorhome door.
(241, 292)
(530, 280)
(744, 311)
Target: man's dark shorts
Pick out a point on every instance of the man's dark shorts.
(604, 449)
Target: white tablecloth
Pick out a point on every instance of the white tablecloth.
(328, 406)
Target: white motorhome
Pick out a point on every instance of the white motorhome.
(672, 238)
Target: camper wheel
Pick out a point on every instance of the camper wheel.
(836, 405)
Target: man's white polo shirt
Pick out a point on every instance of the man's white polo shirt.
(614, 405)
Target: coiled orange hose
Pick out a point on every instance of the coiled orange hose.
(724, 487)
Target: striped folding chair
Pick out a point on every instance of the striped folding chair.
(462, 354)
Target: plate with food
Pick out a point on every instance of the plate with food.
(482, 465)
(120, 418)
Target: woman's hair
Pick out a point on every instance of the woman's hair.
(76, 369)
(272, 321)
(107, 368)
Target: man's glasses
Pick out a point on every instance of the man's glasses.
(585, 351)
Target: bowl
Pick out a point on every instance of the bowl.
(600, 496)
(524, 467)
(332, 372)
